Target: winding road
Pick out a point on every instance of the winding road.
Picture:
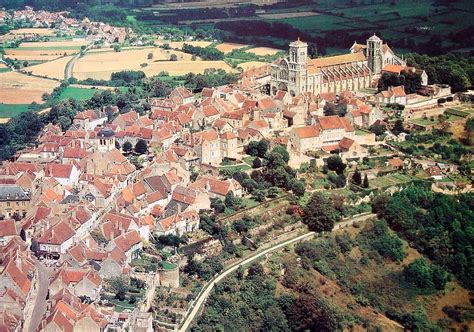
(70, 65)
(205, 294)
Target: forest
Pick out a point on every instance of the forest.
(439, 226)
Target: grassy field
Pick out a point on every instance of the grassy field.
(82, 93)
(390, 180)
(11, 110)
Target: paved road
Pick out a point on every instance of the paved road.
(33, 321)
(70, 64)
(204, 295)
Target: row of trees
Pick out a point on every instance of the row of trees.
(207, 53)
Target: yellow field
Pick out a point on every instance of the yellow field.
(16, 88)
(252, 64)
(229, 47)
(174, 68)
(179, 45)
(4, 120)
(66, 43)
(47, 55)
(2, 65)
(100, 64)
(263, 51)
(51, 69)
(36, 31)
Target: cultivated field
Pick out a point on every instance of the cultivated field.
(33, 31)
(252, 64)
(44, 51)
(55, 44)
(100, 65)
(229, 47)
(16, 88)
(51, 69)
(287, 15)
(179, 45)
(262, 51)
(174, 68)
(8, 111)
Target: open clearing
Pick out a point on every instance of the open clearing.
(287, 15)
(52, 69)
(179, 45)
(252, 64)
(229, 47)
(264, 51)
(16, 88)
(174, 68)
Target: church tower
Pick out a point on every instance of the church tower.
(374, 54)
(298, 67)
(105, 140)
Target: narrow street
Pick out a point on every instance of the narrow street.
(38, 302)
(205, 294)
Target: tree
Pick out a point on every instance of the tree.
(422, 275)
(257, 163)
(313, 313)
(117, 145)
(141, 147)
(357, 178)
(274, 320)
(217, 205)
(127, 147)
(366, 181)
(319, 213)
(119, 285)
(117, 48)
(469, 130)
(231, 200)
(335, 163)
(298, 188)
(398, 127)
(283, 152)
(150, 56)
(173, 57)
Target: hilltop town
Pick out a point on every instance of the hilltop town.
(116, 217)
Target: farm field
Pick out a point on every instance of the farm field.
(179, 45)
(35, 31)
(55, 44)
(252, 64)
(8, 111)
(262, 51)
(101, 64)
(287, 15)
(16, 88)
(52, 69)
(229, 47)
(173, 68)
(390, 180)
(83, 92)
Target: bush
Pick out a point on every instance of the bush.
(423, 275)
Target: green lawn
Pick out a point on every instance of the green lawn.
(167, 265)
(10, 111)
(82, 93)
(236, 168)
(4, 70)
(390, 180)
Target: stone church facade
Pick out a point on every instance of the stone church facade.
(349, 72)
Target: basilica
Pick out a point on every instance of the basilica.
(349, 72)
